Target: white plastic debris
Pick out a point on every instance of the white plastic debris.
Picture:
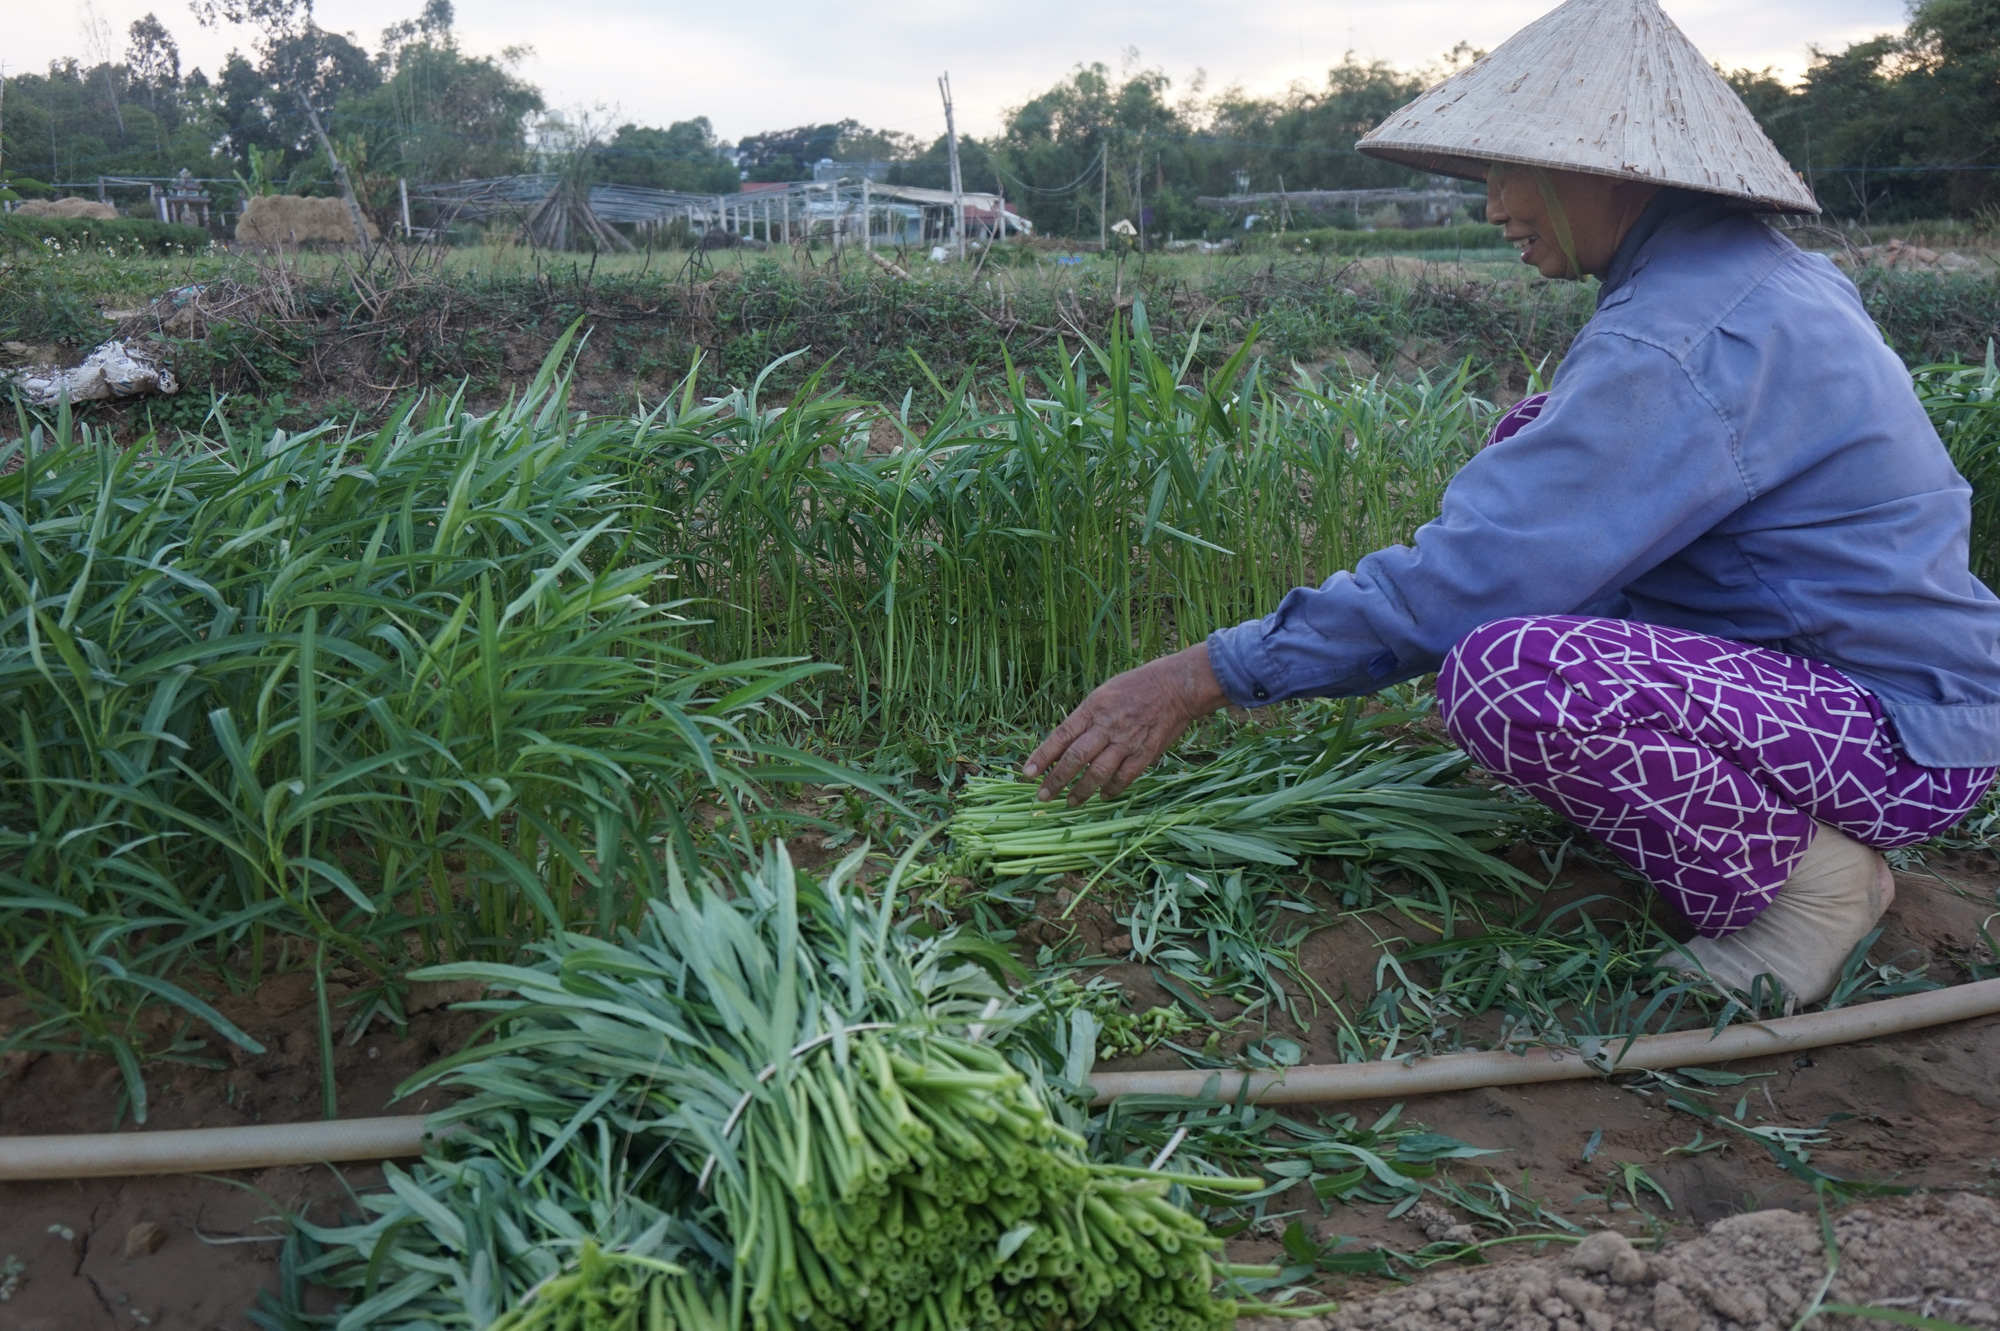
(112, 370)
(939, 253)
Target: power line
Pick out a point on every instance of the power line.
(1089, 173)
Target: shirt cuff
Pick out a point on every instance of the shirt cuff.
(1251, 673)
(1243, 664)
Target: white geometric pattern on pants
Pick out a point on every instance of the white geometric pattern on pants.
(1700, 761)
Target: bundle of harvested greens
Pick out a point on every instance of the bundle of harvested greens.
(765, 1110)
(1328, 783)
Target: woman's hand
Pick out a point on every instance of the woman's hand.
(1125, 724)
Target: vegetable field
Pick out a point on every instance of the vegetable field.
(685, 737)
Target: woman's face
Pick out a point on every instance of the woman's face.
(1599, 210)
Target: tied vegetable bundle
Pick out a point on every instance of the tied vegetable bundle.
(768, 1110)
(1328, 784)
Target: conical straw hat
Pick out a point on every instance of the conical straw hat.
(1609, 87)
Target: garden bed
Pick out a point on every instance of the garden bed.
(312, 712)
(1913, 1111)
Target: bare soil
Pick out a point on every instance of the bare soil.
(1929, 1256)
(217, 1246)
(1920, 1110)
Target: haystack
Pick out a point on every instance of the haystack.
(288, 221)
(89, 208)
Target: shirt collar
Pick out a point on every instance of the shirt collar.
(1669, 206)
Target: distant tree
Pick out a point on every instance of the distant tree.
(1903, 124)
(876, 145)
(684, 156)
(253, 105)
(1054, 145)
(439, 114)
(241, 99)
(789, 154)
(62, 126)
(306, 63)
(432, 25)
(1899, 125)
(1305, 140)
(97, 44)
(153, 60)
(1954, 48)
(318, 65)
(34, 128)
(931, 169)
(1861, 126)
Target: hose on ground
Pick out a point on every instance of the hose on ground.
(1323, 1082)
(212, 1150)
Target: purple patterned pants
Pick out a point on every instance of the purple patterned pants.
(1701, 762)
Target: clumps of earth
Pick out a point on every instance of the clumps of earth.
(1929, 1256)
(1902, 254)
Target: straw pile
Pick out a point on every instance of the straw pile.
(85, 208)
(287, 221)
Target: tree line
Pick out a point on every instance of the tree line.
(1902, 125)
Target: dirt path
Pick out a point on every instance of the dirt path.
(1930, 1256)
(216, 1250)
(80, 1254)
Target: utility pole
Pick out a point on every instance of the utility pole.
(867, 215)
(957, 182)
(287, 23)
(1103, 194)
(1139, 192)
(339, 167)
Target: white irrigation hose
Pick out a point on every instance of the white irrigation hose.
(1321, 1082)
(209, 1150)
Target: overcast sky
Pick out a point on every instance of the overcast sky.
(752, 65)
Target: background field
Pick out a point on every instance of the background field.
(459, 590)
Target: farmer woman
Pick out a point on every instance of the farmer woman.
(1707, 598)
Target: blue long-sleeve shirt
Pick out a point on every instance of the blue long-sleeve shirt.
(1729, 448)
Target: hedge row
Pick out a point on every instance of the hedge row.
(125, 233)
(1472, 236)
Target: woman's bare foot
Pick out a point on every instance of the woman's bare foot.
(1803, 938)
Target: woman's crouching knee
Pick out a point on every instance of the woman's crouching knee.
(1479, 671)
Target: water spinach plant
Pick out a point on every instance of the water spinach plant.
(408, 696)
(448, 687)
(1322, 782)
(766, 1106)
(1002, 557)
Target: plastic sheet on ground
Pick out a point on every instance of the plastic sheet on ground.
(113, 370)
